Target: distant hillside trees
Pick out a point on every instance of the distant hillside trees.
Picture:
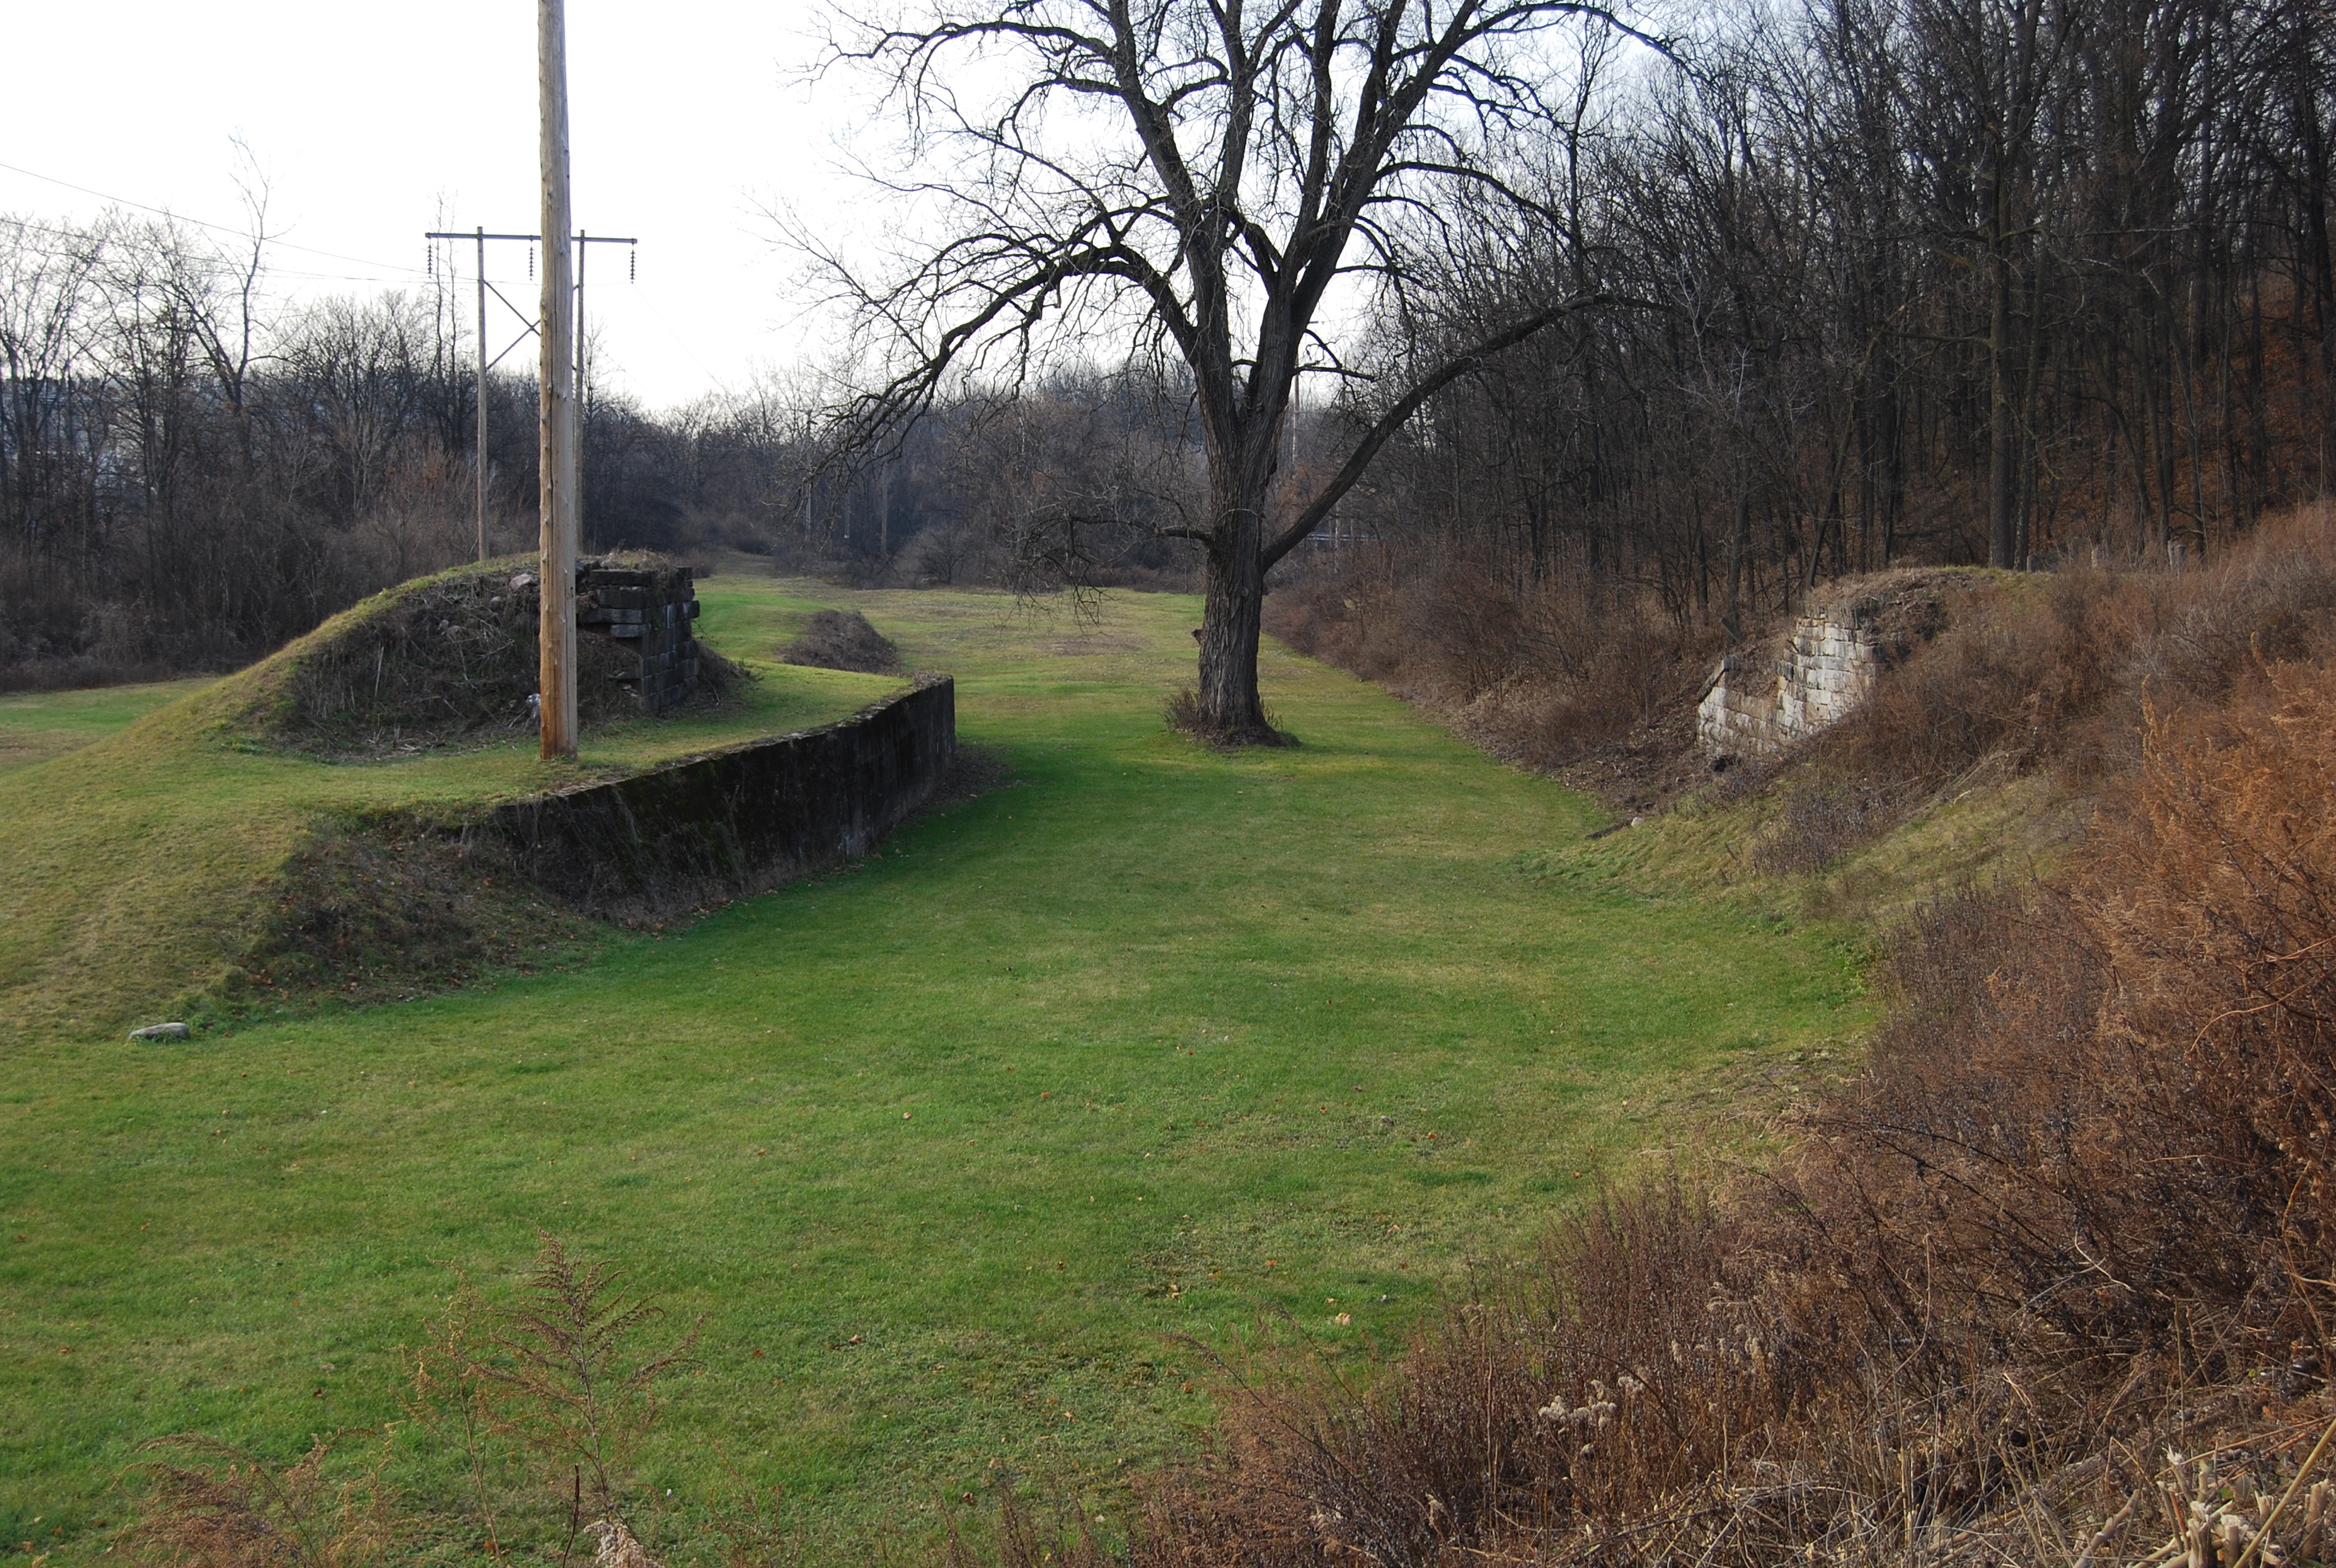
(181, 482)
(1891, 280)
(1990, 280)
(191, 473)
(2006, 281)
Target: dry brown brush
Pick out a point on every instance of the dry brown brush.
(541, 1404)
(2014, 673)
(211, 1505)
(2048, 675)
(1539, 671)
(1181, 711)
(553, 1387)
(2058, 669)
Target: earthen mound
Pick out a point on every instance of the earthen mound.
(844, 639)
(442, 660)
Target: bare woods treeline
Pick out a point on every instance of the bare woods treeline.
(190, 476)
(1956, 280)
(184, 486)
(1961, 280)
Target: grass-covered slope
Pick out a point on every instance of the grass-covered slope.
(37, 725)
(137, 871)
(948, 1150)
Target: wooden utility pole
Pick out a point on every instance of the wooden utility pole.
(556, 376)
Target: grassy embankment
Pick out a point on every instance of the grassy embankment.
(37, 725)
(1991, 831)
(133, 869)
(948, 1150)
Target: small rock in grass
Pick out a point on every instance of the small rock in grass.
(161, 1032)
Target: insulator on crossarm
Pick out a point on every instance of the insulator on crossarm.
(633, 264)
(530, 263)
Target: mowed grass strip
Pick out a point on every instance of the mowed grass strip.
(948, 1151)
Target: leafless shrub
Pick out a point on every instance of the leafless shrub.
(566, 1382)
(946, 553)
(2013, 674)
(1822, 820)
(1540, 672)
(446, 1396)
(2059, 671)
(1181, 711)
(1021, 1536)
(553, 1384)
(54, 638)
(546, 1401)
(2215, 906)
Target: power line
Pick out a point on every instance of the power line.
(219, 228)
(686, 345)
(11, 222)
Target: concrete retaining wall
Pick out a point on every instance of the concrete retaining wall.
(734, 822)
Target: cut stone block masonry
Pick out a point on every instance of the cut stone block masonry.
(652, 607)
(1766, 696)
(1763, 698)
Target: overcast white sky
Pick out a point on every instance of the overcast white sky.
(376, 123)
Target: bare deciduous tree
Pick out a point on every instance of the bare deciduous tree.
(1222, 178)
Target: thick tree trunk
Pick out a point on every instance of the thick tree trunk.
(1740, 534)
(2003, 517)
(1230, 626)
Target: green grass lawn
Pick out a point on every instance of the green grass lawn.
(951, 1150)
(37, 725)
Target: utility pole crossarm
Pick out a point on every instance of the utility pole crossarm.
(537, 239)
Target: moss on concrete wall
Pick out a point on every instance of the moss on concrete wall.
(731, 823)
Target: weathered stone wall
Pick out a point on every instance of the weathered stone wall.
(651, 608)
(734, 822)
(1765, 696)
(1765, 699)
